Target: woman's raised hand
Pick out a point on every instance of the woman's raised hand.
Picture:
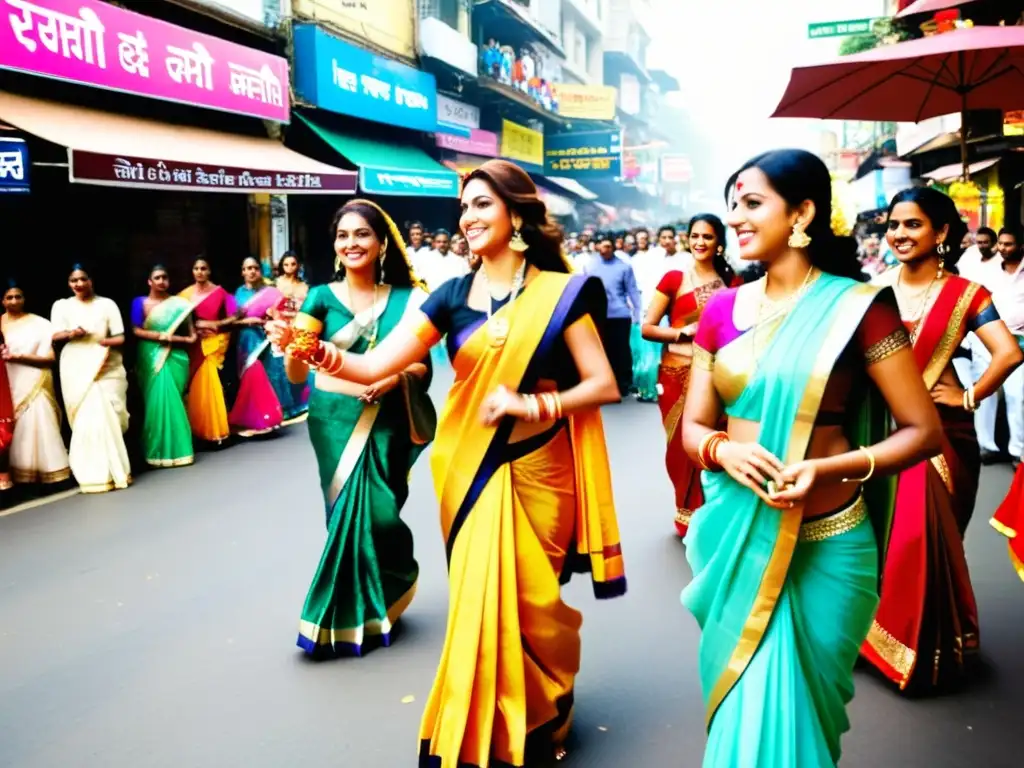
(500, 403)
(279, 333)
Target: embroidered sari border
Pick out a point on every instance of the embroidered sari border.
(1016, 562)
(948, 342)
(1006, 530)
(857, 297)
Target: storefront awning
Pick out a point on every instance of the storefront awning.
(556, 204)
(120, 151)
(573, 186)
(955, 171)
(390, 169)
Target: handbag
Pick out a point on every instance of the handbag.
(419, 408)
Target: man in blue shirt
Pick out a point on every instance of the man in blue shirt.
(624, 308)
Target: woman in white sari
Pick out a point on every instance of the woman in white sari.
(37, 452)
(95, 385)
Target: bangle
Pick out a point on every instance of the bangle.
(558, 405)
(970, 399)
(871, 467)
(547, 406)
(707, 451)
(532, 409)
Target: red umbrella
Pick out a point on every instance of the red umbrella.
(978, 68)
(929, 6)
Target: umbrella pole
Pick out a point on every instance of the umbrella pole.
(963, 144)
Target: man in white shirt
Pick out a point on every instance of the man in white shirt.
(1007, 287)
(980, 264)
(650, 266)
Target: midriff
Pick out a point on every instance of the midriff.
(825, 441)
(524, 430)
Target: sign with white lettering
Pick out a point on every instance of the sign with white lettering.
(585, 155)
(145, 173)
(343, 78)
(455, 117)
(95, 43)
(14, 166)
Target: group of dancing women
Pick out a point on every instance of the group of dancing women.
(821, 449)
(182, 344)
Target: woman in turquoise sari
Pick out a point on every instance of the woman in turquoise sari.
(811, 368)
(162, 324)
(364, 440)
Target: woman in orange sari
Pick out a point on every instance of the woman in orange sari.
(521, 470)
(927, 622)
(682, 296)
(214, 309)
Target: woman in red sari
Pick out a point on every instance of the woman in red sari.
(927, 621)
(6, 425)
(1009, 521)
(682, 296)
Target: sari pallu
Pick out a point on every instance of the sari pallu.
(6, 428)
(256, 410)
(163, 376)
(37, 453)
(783, 614)
(367, 574)
(646, 355)
(517, 518)
(673, 381)
(207, 410)
(927, 621)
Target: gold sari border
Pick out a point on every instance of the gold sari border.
(37, 389)
(1006, 530)
(351, 452)
(1018, 565)
(892, 652)
(836, 524)
(858, 297)
(703, 359)
(26, 476)
(684, 516)
(167, 463)
(110, 485)
(949, 342)
(942, 467)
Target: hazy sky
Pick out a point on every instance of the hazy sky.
(732, 59)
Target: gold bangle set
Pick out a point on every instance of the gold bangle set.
(547, 406)
(871, 467)
(970, 404)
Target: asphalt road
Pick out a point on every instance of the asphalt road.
(155, 627)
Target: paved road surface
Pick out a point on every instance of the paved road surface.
(155, 628)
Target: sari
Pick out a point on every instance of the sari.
(95, 387)
(207, 411)
(783, 602)
(294, 398)
(37, 452)
(646, 355)
(6, 429)
(257, 410)
(1009, 521)
(928, 612)
(517, 519)
(367, 574)
(673, 380)
(163, 376)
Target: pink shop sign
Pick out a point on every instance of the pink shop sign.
(93, 43)
(480, 143)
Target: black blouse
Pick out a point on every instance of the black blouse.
(448, 311)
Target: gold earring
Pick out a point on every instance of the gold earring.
(382, 257)
(799, 238)
(516, 243)
(721, 250)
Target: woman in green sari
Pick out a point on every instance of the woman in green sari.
(364, 440)
(162, 323)
(810, 367)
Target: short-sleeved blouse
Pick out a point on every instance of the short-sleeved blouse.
(880, 334)
(448, 311)
(99, 316)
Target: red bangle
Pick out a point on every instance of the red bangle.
(707, 451)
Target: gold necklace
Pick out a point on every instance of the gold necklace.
(498, 327)
(783, 306)
(374, 317)
(918, 316)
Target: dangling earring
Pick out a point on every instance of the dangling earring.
(517, 243)
(382, 257)
(941, 249)
(721, 250)
(799, 238)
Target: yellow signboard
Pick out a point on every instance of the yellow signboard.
(521, 143)
(585, 102)
(387, 24)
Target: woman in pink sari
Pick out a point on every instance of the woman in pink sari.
(257, 409)
(214, 309)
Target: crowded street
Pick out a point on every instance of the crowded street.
(156, 627)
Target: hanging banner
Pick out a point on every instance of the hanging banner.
(480, 143)
(14, 166)
(99, 44)
(585, 102)
(585, 155)
(522, 144)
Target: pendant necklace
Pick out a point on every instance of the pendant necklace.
(779, 308)
(498, 327)
(917, 316)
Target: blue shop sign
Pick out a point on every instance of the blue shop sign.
(349, 80)
(14, 166)
(584, 155)
(388, 181)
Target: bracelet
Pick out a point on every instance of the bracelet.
(707, 451)
(970, 405)
(871, 467)
(532, 409)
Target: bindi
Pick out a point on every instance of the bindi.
(739, 185)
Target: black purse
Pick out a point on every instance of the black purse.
(419, 408)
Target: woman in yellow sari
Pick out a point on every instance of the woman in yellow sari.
(213, 309)
(94, 384)
(520, 468)
(38, 454)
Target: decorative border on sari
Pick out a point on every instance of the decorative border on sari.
(494, 456)
(165, 353)
(777, 569)
(1006, 530)
(317, 640)
(941, 466)
(948, 342)
(72, 409)
(24, 476)
(184, 461)
(1015, 562)
(897, 656)
(110, 485)
(352, 452)
(25, 402)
